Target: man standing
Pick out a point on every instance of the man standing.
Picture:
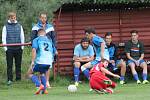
(114, 63)
(83, 53)
(13, 33)
(135, 53)
(50, 33)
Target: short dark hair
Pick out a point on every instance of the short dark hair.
(90, 30)
(134, 31)
(85, 39)
(108, 34)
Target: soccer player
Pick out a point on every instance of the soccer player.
(135, 53)
(83, 53)
(114, 63)
(100, 48)
(50, 33)
(98, 81)
(42, 58)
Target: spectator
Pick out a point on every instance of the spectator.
(101, 51)
(98, 81)
(135, 53)
(13, 33)
(42, 58)
(50, 33)
(83, 53)
(114, 63)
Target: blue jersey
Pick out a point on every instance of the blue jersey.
(44, 50)
(96, 40)
(80, 52)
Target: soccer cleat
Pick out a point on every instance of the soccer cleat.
(9, 82)
(38, 89)
(145, 82)
(108, 82)
(90, 90)
(122, 82)
(101, 91)
(138, 82)
(109, 90)
(76, 84)
(44, 92)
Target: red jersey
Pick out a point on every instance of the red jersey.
(96, 68)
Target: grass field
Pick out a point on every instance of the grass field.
(24, 91)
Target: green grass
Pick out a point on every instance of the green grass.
(24, 91)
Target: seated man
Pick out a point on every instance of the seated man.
(83, 53)
(135, 53)
(114, 63)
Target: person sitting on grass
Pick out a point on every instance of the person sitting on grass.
(42, 58)
(98, 81)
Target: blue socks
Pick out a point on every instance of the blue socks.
(35, 80)
(144, 76)
(122, 78)
(86, 73)
(136, 77)
(76, 74)
(43, 81)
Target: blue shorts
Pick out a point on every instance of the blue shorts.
(42, 68)
(131, 61)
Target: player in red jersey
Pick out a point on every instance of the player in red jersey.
(98, 81)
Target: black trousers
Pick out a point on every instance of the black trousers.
(17, 56)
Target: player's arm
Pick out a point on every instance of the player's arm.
(102, 50)
(86, 58)
(109, 73)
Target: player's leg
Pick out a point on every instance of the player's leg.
(76, 72)
(132, 66)
(43, 69)
(144, 66)
(9, 59)
(47, 78)
(18, 60)
(122, 65)
(85, 67)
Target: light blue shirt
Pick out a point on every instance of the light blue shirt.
(80, 52)
(44, 50)
(96, 40)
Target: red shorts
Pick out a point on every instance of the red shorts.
(97, 81)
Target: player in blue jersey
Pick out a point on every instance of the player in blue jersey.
(42, 58)
(50, 33)
(83, 53)
(101, 51)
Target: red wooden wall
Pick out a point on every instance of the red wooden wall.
(70, 29)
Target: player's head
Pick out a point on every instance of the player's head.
(90, 31)
(108, 38)
(85, 43)
(134, 35)
(105, 62)
(12, 16)
(41, 32)
(43, 17)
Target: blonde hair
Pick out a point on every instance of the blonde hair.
(10, 14)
